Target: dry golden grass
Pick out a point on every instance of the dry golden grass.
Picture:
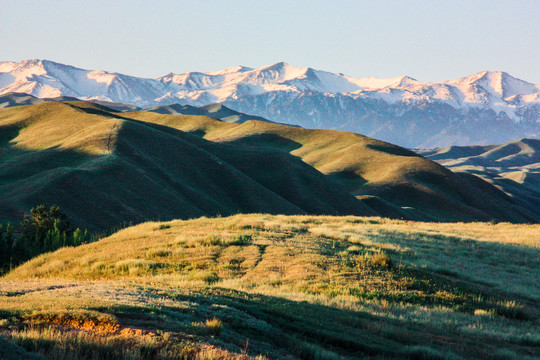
(395, 288)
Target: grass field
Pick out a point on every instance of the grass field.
(263, 286)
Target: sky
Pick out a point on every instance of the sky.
(432, 40)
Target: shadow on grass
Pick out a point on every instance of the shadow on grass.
(470, 259)
(273, 326)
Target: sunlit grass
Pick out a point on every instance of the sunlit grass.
(332, 286)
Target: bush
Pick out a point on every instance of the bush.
(382, 260)
(354, 249)
(214, 326)
(157, 253)
(240, 240)
(208, 277)
(209, 327)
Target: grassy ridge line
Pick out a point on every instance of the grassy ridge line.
(100, 169)
(366, 166)
(78, 154)
(392, 289)
(513, 167)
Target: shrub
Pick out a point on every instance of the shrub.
(239, 240)
(208, 277)
(214, 326)
(354, 249)
(134, 266)
(209, 327)
(211, 239)
(156, 253)
(382, 260)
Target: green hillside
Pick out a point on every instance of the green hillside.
(513, 167)
(105, 169)
(216, 111)
(392, 180)
(20, 99)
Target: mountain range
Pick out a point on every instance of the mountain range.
(484, 108)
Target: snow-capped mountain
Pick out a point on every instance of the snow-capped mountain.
(487, 107)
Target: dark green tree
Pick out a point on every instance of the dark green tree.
(39, 222)
(77, 237)
(4, 256)
(43, 230)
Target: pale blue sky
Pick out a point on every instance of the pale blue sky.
(429, 40)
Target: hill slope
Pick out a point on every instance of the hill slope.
(217, 111)
(386, 177)
(104, 170)
(513, 167)
(261, 286)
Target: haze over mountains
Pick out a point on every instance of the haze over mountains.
(484, 108)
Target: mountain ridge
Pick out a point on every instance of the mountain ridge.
(452, 112)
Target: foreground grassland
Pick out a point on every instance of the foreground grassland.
(261, 286)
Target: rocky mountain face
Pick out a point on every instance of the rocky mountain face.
(484, 108)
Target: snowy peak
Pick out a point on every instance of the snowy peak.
(280, 72)
(242, 81)
(231, 70)
(42, 78)
(498, 83)
(487, 107)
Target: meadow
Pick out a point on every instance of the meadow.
(265, 286)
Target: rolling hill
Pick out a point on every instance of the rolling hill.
(217, 111)
(394, 181)
(105, 168)
(513, 167)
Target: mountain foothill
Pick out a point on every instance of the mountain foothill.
(105, 167)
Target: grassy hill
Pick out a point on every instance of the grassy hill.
(263, 286)
(216, 111)
(105, 169)
(393, 181)
(513, 167)
(20, 99)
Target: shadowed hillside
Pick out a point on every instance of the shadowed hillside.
(394, 181)
(513, 167)
(103, 170)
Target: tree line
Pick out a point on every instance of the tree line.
(41, 231)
